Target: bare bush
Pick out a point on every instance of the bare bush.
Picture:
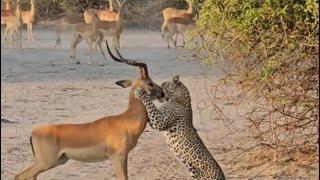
(269, 51)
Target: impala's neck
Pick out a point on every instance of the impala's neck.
(7, 6)
(190, 8)
(120, 14)
(18, 13)
(136, 115)
(136, 108)
(32, 8)
(110, 5)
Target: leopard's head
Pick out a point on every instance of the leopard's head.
(176, 91)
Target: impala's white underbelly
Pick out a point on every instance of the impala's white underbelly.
(87, 154)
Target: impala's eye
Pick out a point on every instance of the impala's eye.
(150, 84)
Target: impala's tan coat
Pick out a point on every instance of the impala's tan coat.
(174, 12)
(177, 25)
(112, 29)
(13, 26)
(6, 12)
(7, 5)
(170, 12)
(65, 23)
(28, 18)
(104, 15)
(90, 33)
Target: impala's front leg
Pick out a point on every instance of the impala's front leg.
(31, 32)
(76, 39)
(120, 163)
(158, 120)
(99, 43)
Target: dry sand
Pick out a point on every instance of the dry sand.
(39, 86)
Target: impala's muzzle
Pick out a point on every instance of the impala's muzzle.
(157, 93)
(165, 97)
(161, 94)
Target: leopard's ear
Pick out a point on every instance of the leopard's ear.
(176, 79)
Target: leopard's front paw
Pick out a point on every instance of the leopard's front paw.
(139, 93)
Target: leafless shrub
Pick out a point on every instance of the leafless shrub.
(268, 52)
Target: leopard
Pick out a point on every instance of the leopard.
(174, 118)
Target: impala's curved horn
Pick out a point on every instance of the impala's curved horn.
(142, 66)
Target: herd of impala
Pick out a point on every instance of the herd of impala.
(94, 25)
(110, 137)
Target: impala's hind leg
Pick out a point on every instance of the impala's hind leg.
(89, 42)
(184, 40)
(47, 156)
(38, 167)
(118, 41)
(5, 35)
(76, 39)
(31, 32)
(163, 28)
(168, 37)
(19, 38)
(99, 44)
(175, 41)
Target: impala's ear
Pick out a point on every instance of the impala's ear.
(176, 79)
(124, 83)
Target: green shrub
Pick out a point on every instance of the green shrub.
(270, 49)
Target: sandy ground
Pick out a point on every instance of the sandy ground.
(39, 86)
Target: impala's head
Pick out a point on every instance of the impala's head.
(144, 81)
(120, 4)
(193, 9)
(94, 16)
(120, 9)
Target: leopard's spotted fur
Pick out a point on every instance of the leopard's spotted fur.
(174, 118)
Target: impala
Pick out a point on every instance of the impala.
(65, 23)
(110, 24)
(171, 12)
(110, 137)
(91, 34)
(14, 25)
(104, 15)
(7, 5)
(114, 28)
(28, 18)
(95, 32)
(176, 25)
(6, 12)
